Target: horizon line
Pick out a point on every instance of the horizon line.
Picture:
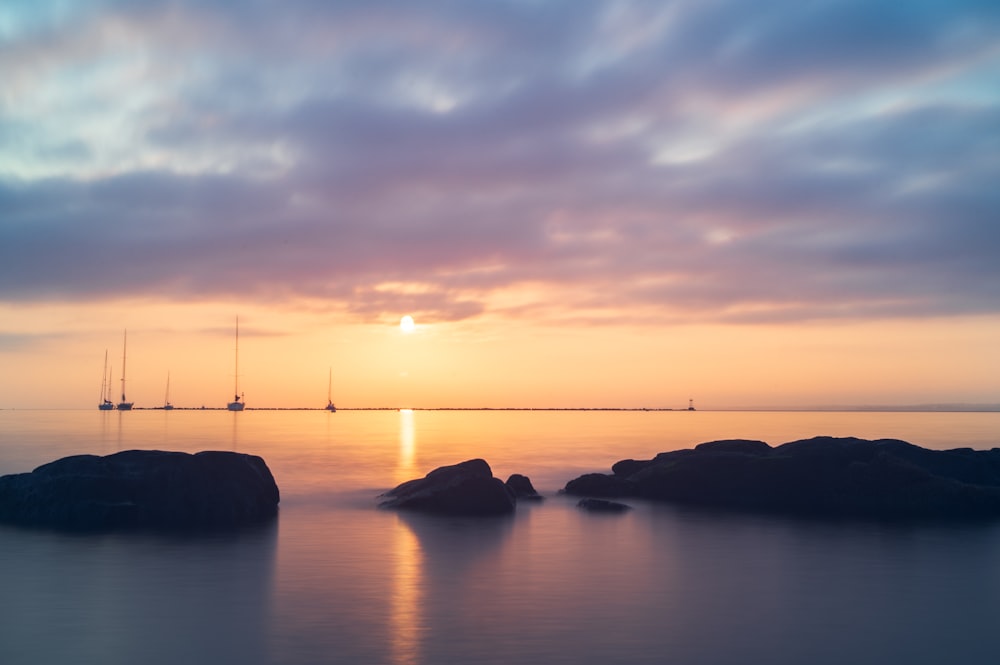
(906, 408)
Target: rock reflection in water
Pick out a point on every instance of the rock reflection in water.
(445, 578)
(129, 598)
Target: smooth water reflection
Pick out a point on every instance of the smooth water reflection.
(335, 580)
(405, 469)
(135, 599)
(406, 617)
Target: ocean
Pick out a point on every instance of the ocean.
(336, 580)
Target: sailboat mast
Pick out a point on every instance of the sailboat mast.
(236, 378)
(329, 393)
(124, 345)
(104, 376)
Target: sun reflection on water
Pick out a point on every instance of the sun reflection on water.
(405, 606)
(405, 611)
(407, 446)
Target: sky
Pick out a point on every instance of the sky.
(781, 203)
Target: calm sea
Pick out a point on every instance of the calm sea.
(334, 580)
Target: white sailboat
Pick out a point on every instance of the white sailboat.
(124, 405)
(238, 403)
(329, 394)
(167, 406)
(105, 404)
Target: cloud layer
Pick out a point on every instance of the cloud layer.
(690, 160)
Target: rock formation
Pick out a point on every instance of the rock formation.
(467, 489)
(818, 477)
(522, 488)
(142, 489)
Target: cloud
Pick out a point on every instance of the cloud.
(772, 161)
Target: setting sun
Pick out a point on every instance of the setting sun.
(774, 221)
(628, 229)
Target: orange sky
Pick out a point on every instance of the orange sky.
(285, 358)
(625, 204)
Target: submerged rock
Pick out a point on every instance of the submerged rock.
(602, 506)
(818, 477)
(142, 489)
(467, 488)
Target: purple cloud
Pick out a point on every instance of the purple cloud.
(688, 160)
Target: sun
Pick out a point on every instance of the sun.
(406, 324)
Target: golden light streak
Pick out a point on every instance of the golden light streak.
(407, 446)
(405, 605)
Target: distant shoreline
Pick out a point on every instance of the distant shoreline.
(956, 408)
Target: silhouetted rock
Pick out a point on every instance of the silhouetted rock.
(522, 488)
(743, 446)
(626, 467)
(602, 506)
(142, 489)
(819, 477)
(599, 484)
(467, 488)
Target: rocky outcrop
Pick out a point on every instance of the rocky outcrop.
(603, 485)
(522, 489)
(465, 489)
(818, 477)
(142, 489)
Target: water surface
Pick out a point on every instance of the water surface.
(334, 580)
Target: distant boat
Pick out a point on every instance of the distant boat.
(124, 405)
(167, 406)
(329, 394)
(238, 403)
(106, 404)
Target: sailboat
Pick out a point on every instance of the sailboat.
(105, 404)
(167, 406)
(329, 394)
(237, 404)
(124, 405)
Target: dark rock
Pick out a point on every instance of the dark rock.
(744, 446)
(599, 484)
(142, 489)
(467, 488)
(522, 489)
(602, 506)
(820, 477)
(627, 467)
